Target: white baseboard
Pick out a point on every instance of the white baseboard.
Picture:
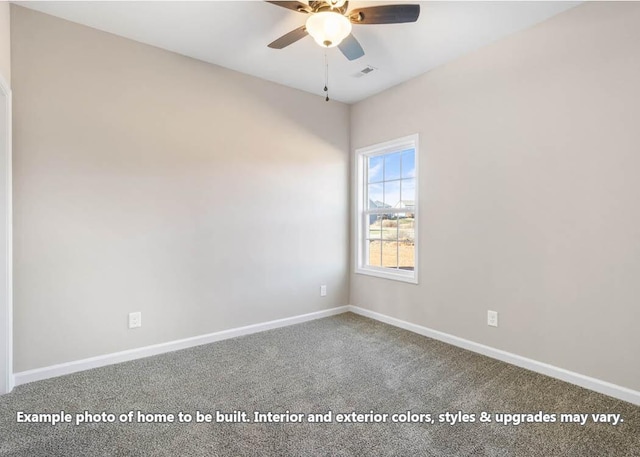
(597, 385)
(53, 371)
(603, 387)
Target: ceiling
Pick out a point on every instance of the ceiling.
(235, 34)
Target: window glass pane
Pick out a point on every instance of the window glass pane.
(375, 226)
(375, 169)
(406, 242)
(406, 251)
(389, 227)
(376, 196)
(374, 253)
(409, 163)
(391, 194)
(390, 254)
(406, 227)
(408, 195)
(391, 166)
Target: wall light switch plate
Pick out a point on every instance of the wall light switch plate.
(135, 320)
(492, 318)
(323, 291)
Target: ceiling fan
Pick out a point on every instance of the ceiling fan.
(329, 23)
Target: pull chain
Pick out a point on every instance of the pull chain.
(326, 75)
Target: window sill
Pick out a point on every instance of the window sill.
(400, 275)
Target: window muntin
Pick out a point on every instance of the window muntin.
(387, 209)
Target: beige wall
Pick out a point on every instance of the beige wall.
(529, 193)
(5, 179)
(147, 181)
(222, 201)
(5, 42)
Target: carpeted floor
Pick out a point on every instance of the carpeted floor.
(344, 363)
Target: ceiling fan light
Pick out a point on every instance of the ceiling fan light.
(328, 28)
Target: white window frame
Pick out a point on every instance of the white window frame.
(363, 213)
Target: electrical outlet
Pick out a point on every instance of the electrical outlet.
(492, 318)
(323, 291)
(135, 320)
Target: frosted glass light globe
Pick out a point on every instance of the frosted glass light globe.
(328, 28)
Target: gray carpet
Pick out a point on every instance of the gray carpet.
(344, 363)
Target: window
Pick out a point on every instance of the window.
(387, 205)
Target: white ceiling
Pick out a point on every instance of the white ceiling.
(235, 34)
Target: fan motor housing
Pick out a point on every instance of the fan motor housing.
(317, 7)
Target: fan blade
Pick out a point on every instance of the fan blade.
(289, 38)
(295, 6)
(387, 14)
(351, 48)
